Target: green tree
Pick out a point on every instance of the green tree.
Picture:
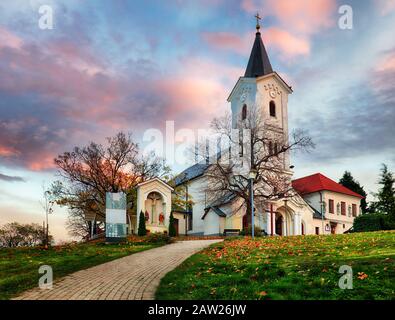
(349, 182)
(386, 196)
(172, 228)
(142, 231)
(181, 199)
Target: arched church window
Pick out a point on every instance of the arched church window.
(272, 107)
(244, 112)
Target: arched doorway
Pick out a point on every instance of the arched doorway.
(279, 225)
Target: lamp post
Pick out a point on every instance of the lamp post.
(252, 177)
(49, 211)
(48, 207)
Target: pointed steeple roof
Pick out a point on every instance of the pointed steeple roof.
(259, 63)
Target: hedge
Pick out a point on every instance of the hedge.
(373, 222)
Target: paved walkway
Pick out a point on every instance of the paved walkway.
(134, 277)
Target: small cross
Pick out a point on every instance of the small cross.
(258, 17)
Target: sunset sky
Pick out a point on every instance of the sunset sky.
(131, 65)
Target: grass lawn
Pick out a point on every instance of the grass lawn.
(19, 266)
(302, 267)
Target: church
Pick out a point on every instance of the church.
(318, 206)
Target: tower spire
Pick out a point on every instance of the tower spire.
(259, 63)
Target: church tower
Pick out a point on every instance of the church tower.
(264, 90)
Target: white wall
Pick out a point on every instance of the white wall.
(213, 224)
(181, 222)
(196, 191)
(343, 222)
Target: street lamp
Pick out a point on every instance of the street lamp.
(48, 211)
(252, 177)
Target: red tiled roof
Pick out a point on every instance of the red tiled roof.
(318, 182)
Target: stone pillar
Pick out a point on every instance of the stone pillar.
(272, 220)
(285, 225)
(297, 226)
(300, 224)
(268, 223)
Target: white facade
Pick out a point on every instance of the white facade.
(196, 189)
(333, 221)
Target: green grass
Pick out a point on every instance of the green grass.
(19, 266)
(294, 268)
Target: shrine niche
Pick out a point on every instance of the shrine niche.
(154, 208)
(154, 200)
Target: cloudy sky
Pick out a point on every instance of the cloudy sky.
(130, 65)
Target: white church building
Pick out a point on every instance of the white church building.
(319, 206)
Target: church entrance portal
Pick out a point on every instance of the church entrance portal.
(279, 225)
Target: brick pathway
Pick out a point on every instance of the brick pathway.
(134, 277)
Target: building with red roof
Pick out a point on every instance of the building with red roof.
(334, 205)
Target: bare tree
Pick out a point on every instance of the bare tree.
(87, 173)
(255, 145)
(77, 225)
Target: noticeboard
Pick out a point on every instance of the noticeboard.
(116, 227)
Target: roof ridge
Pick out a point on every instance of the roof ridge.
(310, 175)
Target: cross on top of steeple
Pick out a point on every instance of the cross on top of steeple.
(258, 18)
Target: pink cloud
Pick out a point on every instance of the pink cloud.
(7, 151)
(78, 57)
(65, 72)
(44, 162)
(287, 44)
(385, 6)
(250, 6)
(387, 63)
(302, 16)
(228, 41)
(383, 77)
(10, 40)
(296, 22)
(199, 93)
